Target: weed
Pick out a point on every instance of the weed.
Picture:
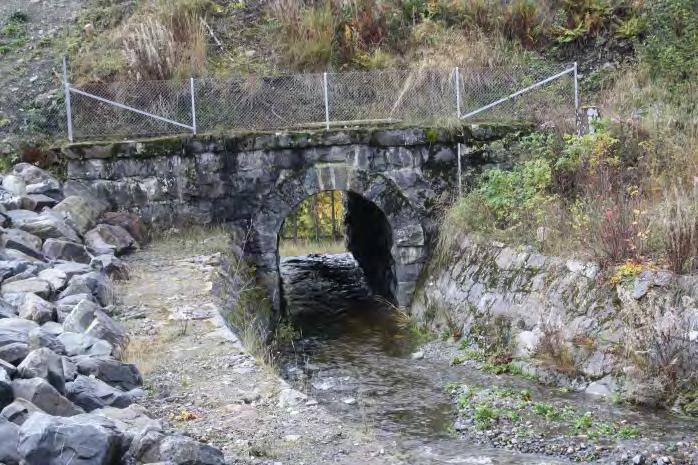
(628, 432)
(485, 415)
(583, 422)
(548, 411)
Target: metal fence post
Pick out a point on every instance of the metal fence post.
(457, 72)
(193, 105)
(327, 103)
(460, 178)
(68, 106)
(576, 99)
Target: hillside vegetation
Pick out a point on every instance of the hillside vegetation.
(624, 195)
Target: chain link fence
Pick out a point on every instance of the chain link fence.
(428, 97)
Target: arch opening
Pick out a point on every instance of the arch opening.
(340, 237)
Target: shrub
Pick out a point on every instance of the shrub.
(680, 224)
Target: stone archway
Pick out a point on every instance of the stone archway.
(408, 246)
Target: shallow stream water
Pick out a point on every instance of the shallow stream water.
(355, 356)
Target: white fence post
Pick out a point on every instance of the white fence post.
(68, 106)
(327, 103)
(193, 105)
(460, 178)
(576, 99)
(457, 73)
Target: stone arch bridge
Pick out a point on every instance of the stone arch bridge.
(394, 178)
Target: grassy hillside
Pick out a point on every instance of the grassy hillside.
(625, 195)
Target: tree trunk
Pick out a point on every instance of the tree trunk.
(334, 217)
(316, 220)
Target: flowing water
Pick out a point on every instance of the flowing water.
(354, 355)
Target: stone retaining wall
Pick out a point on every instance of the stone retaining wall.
(565, 320)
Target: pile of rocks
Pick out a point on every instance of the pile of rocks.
(65, 395)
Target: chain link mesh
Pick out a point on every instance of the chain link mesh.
(421, 96)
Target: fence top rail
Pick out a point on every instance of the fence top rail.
(465, 70)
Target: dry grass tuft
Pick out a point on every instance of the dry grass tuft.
(291, 248)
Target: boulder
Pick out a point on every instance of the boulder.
(56, 278)
(37, 181)
(79, 440)
(42, 201)
(153, 446)
(89, 318)
(13, 254)
(39, 392)
(18, 411)
(129, 221)
(46, 364)
(14, 184)
(111, 266)
(57, 249)
(19, 202)
(81, 211)
(7, 310)
(23, 241)
(32, 285)
(15, 330)
(131, 421)
(37, 309)
(49, 225)
(44, 337)
(9, 441)
(14, 352)
(6, 394)
(93, 283)
(8, 368)
(70, 369)
(84, 344)
(108, 239)
(19, 217)
(91, 393)
(123, 375)
(71, 268)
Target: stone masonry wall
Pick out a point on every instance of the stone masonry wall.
(255, 181)
(595, 321)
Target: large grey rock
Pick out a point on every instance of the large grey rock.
(82, 211)
(32, 285)
(37, 181)
(19, 202)
(19, 410)
(71, 268)
(42, 201)
(37, 309)
(39, 392)
(21, 240)
(14, 184)
(94, 283)
(65, 250)
(19, 217)
(45, 337)
(15, 330)
(9, 442)
(80, 440)
(84, 344)
(50, 225)
(70, 369)
(129, 221)
(8, 368)
(46, 364)
(123, 375)
(56, 278)
(7, 310)
(112, 266)
(6, 394)
(88, 318)
(92, 393)
(14, 352)
(106, 239)
(153, 446)
(131, 421)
